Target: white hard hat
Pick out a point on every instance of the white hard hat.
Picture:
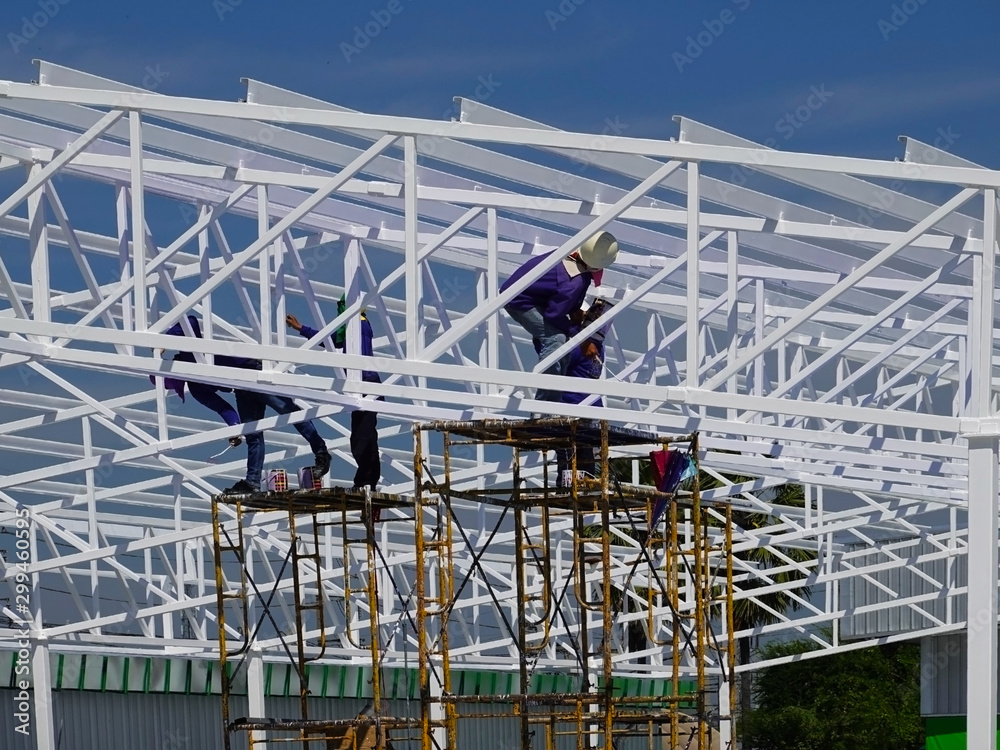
(600, 250)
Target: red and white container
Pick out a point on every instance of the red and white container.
(307, 481)
(277, 481)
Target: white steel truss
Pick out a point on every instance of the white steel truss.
(822, 330)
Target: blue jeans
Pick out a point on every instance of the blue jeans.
(251, 407)
(208, 395)
(550, 337)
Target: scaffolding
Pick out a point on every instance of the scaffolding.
(674, 584)
(680, 566)
(353, 515)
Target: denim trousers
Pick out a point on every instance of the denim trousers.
(551, 338)
(251, 406)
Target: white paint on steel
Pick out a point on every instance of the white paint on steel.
(808, 348)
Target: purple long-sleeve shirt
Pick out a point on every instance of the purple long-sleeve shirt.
(367, 335)
(579, 366)
(205, 394)
(556, 294)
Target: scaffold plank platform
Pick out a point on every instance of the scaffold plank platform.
(549, 433)
(331, 499)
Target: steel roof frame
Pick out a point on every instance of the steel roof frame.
(857, 361)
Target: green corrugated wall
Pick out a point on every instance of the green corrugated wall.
(134, 674)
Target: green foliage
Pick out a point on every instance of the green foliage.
(746, 613)
(621, 469)
(860, 700)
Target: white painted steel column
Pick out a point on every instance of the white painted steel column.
(411, 263)
(352, 292)
(138, 221)
(653, 336)
(726, 724)
(264, 261)
(205, 270)
(732, 307)
(255, 690)
(484, 345)
(93, 529)
(264, 271)
(435, 659)
(124, 256)
(278, 255)
(39, 242)
(981, 677)
(693, 294)
(182, 567)
(41, 675)
(492, 288)
(951, 576)
(757, 368)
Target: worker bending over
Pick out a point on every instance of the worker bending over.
(545, 307)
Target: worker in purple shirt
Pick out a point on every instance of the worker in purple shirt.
(364, 424)
(205, 394)
(584, 361)
(250, 407)
(545, 308)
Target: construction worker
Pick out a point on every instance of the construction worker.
(544, 309)
(584, 361)
(250, 407)
(364, 424)
(587, 360)
(205, 394)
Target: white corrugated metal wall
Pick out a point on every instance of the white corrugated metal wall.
(943, 663)
(901, 582)
(91, 720)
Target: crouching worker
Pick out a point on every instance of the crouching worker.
(545, 308)
(364, 424)
(584, 361)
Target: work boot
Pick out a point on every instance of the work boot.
(322, 466)
(242, 487)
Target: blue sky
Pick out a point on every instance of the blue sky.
(930, 64)
(910, 67)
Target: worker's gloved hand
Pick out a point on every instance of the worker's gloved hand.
(589, 350)
(293, 322)
(576, 317)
